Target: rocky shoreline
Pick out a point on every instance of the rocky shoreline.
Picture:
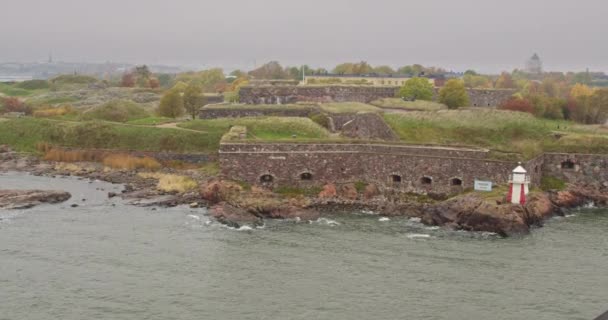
(23, 199)
(236, 205)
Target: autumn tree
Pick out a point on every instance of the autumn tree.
(271, 70)
(128, 80)
(505, 81)
(598, 107)
(517, 104)
(580, 90)
(171, 104)
(476, 81)
(353, 68)
(413, 70)
(142, 74)
(417, 89)
(13, 104)
(454, 94)
(384, 70)
(193, 99)
(154, 83)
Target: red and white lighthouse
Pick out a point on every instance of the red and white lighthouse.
(519, 186)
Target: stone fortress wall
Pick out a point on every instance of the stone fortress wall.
(342, 93)
(416, 169)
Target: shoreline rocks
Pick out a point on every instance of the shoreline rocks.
(236, 205)
(23, 199)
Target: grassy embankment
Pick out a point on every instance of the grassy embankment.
(25, 134)
(418, 105)
(503, 132)
(15, 90)
(264, 128)
(348, 107)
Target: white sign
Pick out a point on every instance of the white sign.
(483, 185)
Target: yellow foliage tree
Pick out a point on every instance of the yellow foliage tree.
(581, 90)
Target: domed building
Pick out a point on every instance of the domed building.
(534, 65)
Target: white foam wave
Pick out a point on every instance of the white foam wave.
(418, 236)
(384, 219)
(433, 228)
(195, 217)
(589, 205)
(326, 221)
(415, 219)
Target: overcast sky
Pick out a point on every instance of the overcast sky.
(486, 35)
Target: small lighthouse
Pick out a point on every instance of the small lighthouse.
(519, 186)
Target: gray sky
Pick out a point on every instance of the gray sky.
(487, 35)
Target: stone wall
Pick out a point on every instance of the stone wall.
(368, 126)
(489, 98)
(418, 169)
(577, 168)
(293, 94)
(365, 94)
(406, 168)
(214, 113)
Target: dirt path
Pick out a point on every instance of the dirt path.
(173, 125)
(170, 125)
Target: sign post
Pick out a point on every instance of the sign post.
(481, 185)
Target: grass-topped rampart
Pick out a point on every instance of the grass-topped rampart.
(25, 133)
(501, 131)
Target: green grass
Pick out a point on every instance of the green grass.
(500, 131)
(117, 111)
(23, 134)
(263, 128)
(348, 107)
(397, 103)
(151, 121)
(551, 183)
(14, 91)
(292, 192)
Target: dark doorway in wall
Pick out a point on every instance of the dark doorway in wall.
(395, 178)
(568, 164)
(306, 176)
(266, 178)
(456, 182)
(426, 180)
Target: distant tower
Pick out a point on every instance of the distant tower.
(50, 57)
(519, 186)
(534, 65)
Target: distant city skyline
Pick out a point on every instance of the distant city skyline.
(486, 35)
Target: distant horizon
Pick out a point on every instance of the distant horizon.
(232, 67)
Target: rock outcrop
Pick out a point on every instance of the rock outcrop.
(22, 199)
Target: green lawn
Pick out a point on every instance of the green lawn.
(501, 131)
(263, 128)
(348, 107)
(419, 105)
(151, 121)
(13, 91)
(23, 134)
